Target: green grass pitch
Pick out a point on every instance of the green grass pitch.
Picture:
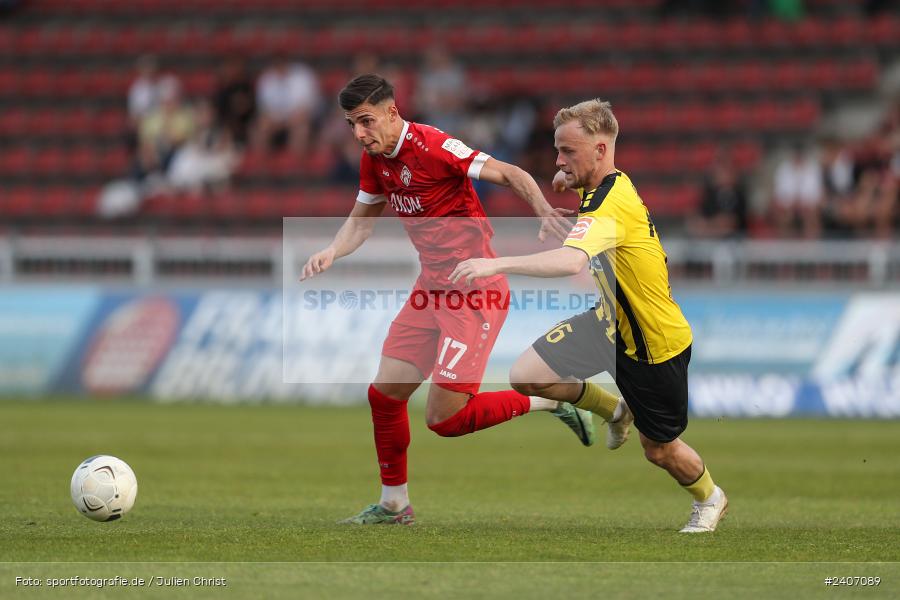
(252, 494)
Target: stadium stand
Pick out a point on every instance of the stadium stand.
(684, 87)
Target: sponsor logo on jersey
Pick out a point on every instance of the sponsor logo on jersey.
(581, 228)
(386, 173)
(457, 148)
(405, 175)
(403, 203)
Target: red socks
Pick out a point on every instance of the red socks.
(391, 436)
(391, 423)
(482, 411)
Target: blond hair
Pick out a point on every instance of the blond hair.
(594, 116)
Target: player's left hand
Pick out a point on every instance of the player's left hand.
(555, 223)
(474, 268)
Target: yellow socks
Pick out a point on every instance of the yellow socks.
(703, 488)
(597, 400)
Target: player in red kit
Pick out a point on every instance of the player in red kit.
(444, 330)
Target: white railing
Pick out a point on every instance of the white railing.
(142, 261)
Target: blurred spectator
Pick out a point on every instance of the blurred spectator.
(798, 194)
(235, 100)
(441, 90)
(723, 206)
(517, 121)
(878, 177)
(842, 213)
(208, 159)
(288, 100)
(145, 90)
(164, 129)
(338, 139)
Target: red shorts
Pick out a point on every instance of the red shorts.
(449, 334)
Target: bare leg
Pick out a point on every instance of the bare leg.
(443, 404)
(397, 378)
(531, 376)
(678, 459)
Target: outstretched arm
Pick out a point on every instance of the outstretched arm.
(560, 262)
(355, 230)
(553, 220)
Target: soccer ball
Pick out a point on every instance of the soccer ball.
(103, 488)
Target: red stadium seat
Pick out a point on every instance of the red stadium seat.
(20, 202)
(17, 160)
(885, 30)
(14, 123)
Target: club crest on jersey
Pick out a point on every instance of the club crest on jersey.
(405, 176)
(581, 228)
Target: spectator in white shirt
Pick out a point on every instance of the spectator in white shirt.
(288, 100)
(798, 194)
(144, 93)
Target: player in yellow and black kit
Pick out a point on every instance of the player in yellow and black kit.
(636, 332)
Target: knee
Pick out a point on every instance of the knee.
(527, 389)
(450, 424)
(432, 420)
(657, 453)
(396, 391)
(519, 381)
(452, 427)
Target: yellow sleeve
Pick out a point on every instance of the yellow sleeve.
(599, 230)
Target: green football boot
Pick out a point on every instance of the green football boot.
(579, 421)
(376, 514)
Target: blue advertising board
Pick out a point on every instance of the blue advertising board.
(755, 354)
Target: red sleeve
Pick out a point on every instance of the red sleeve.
(370, 190)
(450, 157)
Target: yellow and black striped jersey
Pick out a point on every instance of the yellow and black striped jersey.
(629, 267)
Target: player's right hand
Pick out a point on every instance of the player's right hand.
(317, 263)
(559, 182)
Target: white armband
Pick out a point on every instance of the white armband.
(477, 165)
(367, 198)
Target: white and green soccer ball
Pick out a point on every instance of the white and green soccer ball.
(103, 488)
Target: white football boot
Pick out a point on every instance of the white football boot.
(617, 431)
(705, 516)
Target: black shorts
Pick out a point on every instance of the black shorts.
(657, 394)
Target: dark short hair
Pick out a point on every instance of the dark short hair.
(369, 88)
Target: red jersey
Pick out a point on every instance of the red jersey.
(427, 180)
